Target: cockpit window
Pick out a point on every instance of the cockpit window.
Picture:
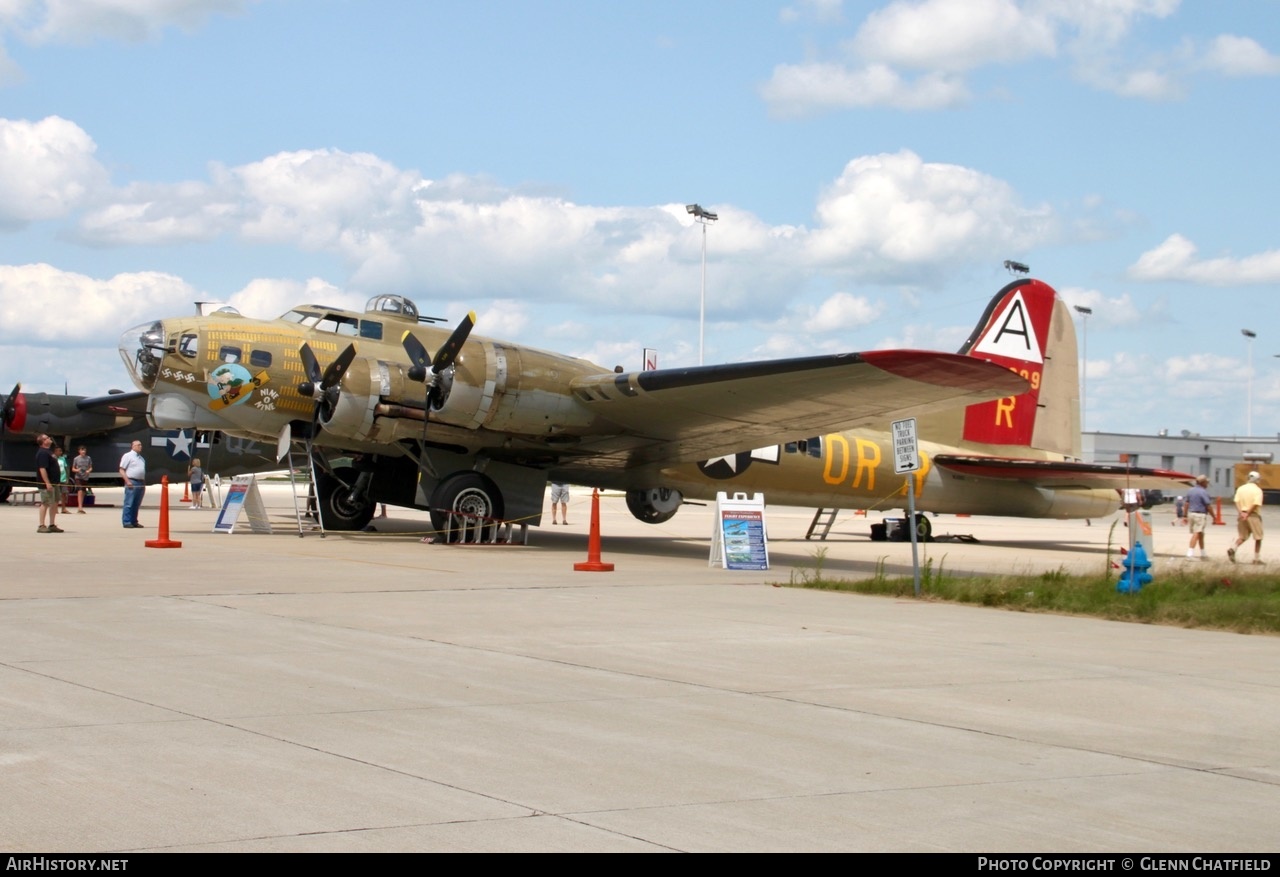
(339, 325)
(300, 317)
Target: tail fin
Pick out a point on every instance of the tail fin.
(1028, 329)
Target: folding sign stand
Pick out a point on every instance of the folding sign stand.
(243, 495)
(739, 540)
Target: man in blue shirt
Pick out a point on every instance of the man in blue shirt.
(1198, 503)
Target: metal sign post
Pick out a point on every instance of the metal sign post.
(906, 460)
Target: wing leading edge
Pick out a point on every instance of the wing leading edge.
(1061, 475)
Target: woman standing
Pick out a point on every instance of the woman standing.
(196, 475)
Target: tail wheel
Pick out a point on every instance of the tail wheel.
(655, 505)
(459, 500)
(338, 510)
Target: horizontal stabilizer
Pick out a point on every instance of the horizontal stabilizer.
(1062, 474)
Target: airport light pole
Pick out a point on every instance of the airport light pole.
(1084, 313)
(1249, 335)
(704, 217)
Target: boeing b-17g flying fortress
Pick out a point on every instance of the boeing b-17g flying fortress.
(480, 425)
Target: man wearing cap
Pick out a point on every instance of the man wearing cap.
(1249, 503)
(1198, 501)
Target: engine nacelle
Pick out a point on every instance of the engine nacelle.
(654, 505)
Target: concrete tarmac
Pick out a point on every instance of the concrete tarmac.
(369, 692)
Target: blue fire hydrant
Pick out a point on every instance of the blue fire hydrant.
(1135, 574)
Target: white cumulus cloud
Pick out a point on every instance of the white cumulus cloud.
(96, 310)
(942, 41)
(843, 311)
(1240, 56)
(47, 169)
(897, 209)
(952, 35)
(1176, 259)
(801, 89)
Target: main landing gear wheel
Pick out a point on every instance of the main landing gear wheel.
(463, 493)
(5, 490)
(338, 511)
(924, 529)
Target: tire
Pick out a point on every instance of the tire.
(5, 490)
(467, 493)
(337, 510)
(924, 529)
(656, 505)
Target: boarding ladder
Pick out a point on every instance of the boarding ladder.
(306, 510)
(824, 518)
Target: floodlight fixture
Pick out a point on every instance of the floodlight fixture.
(703, 217)
(1085, 312)
(1249, 335)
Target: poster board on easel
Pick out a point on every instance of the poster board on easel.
(739, 539)
(243, 497)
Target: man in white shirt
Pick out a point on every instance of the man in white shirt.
(133, 470)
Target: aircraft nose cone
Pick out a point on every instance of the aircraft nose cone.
(142, 348)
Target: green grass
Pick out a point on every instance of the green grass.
(1234, 599)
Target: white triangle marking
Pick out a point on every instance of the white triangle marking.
(1011, 334)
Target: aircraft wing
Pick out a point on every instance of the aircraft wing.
(1062, 474)
(681, 415)
(134, 403)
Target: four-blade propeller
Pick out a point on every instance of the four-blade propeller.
(327, 384)
(443, 359)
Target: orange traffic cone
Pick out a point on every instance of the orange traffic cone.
(186, 490)
(593, 563)
(163, 541)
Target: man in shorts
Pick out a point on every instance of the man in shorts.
(81, 466)
(559, 502)
(1248, 501)
(47, 476)
(1198, 504)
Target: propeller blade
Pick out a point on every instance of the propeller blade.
(11, 404)
(333, 374)
(311, 366)
(449, 351)
(416, 349)
(417, 352)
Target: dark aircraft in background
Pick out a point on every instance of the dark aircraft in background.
(107, 426)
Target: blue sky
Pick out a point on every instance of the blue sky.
(873, 165)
